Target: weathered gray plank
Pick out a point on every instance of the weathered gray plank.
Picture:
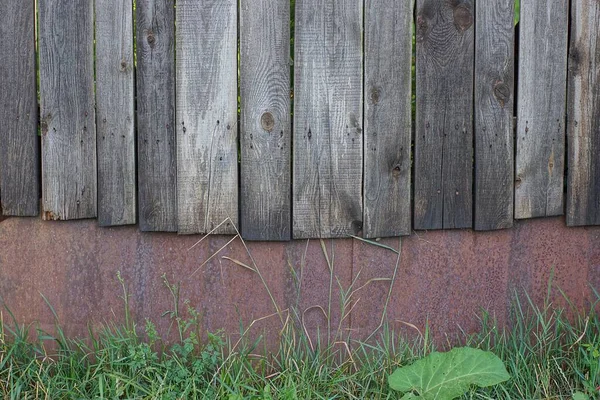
(328, 150)
(541, 103)
(387, 171)
(155, 79)
(444, 122)
(19, 142)
(68, 123)
(265, 119)
(583, 194)
(115, 112)
(494, 104)
(207, 167)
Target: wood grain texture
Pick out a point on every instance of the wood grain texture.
(444, 121)
(541, 107)
(265, 119)
(19, 141)
(328, 151)
(583, 192)
(156, 143)
(387, 102)
(115, 112)
(68, 123)
(207, 167)
(494, 103)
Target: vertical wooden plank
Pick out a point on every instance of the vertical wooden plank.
(68, 123)
(207, 167)
(115, 112)
(155, 79)
(444, 121)
(388, 135)
(494, 104)
(583, 194)
(19, 142)
(541, 104)
(328, 88)
(265, 119)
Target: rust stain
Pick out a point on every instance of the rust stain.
(444, 277)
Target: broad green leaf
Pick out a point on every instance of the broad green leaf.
(446, 376)
(580, 396)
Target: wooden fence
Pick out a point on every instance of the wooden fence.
(194, 127)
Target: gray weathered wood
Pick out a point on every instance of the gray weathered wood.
(265, 119)
(328, 149)
(583, 194)
(19, 142)
(387, 171)
(494, 104)
(207, 167)
(68, 123)
(444, 121)
(541, 103)
(155, 79)
(115, 112)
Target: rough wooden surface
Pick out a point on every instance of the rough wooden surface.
(387, 171)
(444, 121)
(68, 123)
(19, 142)
(207, 157)
(265, 119)
(541, 107)
(494, 103)
(328, 151)
(583, 194)
(115, 113)
(155, 78)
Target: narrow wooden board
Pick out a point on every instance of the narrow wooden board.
(155, 79)
(67, 109)
(19, 141)
(115, 112)
(494, 105)
(265, 119)
(207, 157)
(583, 194)
(328, 140)
(388, 135)
(444, 122)
(541, 107)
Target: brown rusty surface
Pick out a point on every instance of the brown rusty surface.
(443, 278)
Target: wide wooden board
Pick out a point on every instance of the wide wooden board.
(541, 108)
(207, 157)
(328, 133)
(494, 104)
(265, 119)
(115, 112)
(388, 135)
(67, 109)
(156, 143)
(19, 141)
(583, 194)
(444, 122)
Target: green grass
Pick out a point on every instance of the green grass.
(547, 355)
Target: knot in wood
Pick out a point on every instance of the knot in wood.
(151, 39)
(502, 93)
(267, 121)
(375, 95)
(463, 17)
